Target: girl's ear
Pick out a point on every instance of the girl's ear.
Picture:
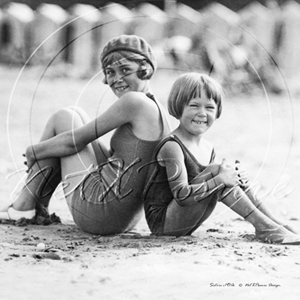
(144, 71)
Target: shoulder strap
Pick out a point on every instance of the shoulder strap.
(163, 118)
(213, 156)
(185, 151)
(165, 140)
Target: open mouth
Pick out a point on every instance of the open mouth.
(200, 122)
(121, 88)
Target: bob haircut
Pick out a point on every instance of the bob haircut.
(189, 86)
(145, 70)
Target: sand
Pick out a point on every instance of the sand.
(221, 260)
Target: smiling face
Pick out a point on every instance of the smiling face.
(198, 115)
(191, 86)
(122, 77)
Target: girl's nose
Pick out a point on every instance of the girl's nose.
(119, 77)
(201, 112)
(116, 79)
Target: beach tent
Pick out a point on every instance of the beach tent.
(289, 58)
(258, 20)
(50, 34)
(220, 28)
(220, 21)
(150, 22)
(3, 39)
(185, 21)
(116, 19)
(84, 37)
(15, 32)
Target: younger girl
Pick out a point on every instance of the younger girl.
(103, 187)
(184, 185)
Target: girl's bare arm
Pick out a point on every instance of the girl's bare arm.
(186, 193)
(124, 110)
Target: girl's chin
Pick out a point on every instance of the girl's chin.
(121, 93)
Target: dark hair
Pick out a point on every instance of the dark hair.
(145, 70)
(189, 86)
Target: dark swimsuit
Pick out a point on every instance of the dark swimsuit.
(109, 200)
(157, 193)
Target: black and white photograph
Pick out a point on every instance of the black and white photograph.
(149, 149)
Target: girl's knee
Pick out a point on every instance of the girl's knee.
(80, 112)
(62, 113)
(65, 119)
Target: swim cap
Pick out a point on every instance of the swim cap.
(131, 43)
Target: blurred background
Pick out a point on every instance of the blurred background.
(243, 43)
(49, 58)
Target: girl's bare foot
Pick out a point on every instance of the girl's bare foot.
(279, 235)
(291, 228)
(9, 213)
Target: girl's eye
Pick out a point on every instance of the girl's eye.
(210, 107)
(126, 70)
(109, 72)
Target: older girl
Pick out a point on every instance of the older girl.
(103, 187)
(184, 185)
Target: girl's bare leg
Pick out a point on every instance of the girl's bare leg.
(183, 220)
(260, 205)
(45, 175)
(250, 189)
(266, 229)
(86, 160)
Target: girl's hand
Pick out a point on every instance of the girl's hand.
(227, 175)
(30, 158)
(244, 180)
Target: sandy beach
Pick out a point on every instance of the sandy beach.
(221, 260)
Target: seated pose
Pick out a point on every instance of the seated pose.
(103, 187)
(184, 184)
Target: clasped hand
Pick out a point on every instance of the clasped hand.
(232, 176)
(30, 157)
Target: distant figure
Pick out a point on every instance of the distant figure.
(178, 48)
